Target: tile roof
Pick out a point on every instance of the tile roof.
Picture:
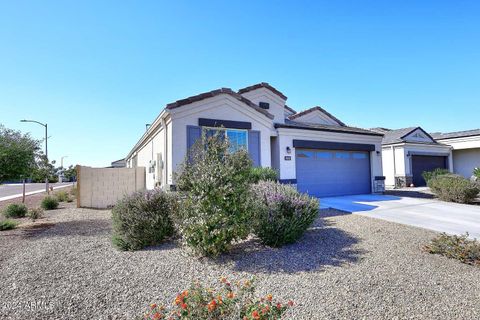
(457, 134)
(263, 85)
(317, 108)
(214, 93)
(290, 109)
(324, 127)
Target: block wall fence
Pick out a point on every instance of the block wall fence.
(103, 187)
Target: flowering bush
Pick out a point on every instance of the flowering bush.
(214, 208)
(232, 301)
(281, 214)
(143, 219)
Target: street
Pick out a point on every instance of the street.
(10, 191)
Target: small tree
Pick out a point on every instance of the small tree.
(214, 211)
(70, 174)
(18, 153)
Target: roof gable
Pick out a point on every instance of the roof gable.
(316, 115)
(410, 134)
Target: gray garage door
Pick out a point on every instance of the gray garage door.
(425, 163)
(324, 173)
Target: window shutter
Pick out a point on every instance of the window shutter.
(254, 147)
(193, 134)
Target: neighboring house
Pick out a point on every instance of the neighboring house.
(466, 149)
(311, 149)
(408, 152)
(122, 163)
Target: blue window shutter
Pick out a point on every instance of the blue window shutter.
(254, 147)
(193, 134)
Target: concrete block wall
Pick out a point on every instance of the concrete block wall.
(103, 187)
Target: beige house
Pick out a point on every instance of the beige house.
(312, 149)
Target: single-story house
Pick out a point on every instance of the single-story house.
(121, 163)
(466, 150)
(312, 149)
(408, 152)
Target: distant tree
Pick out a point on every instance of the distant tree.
(18, 154)
(44, 169)
(70, 174)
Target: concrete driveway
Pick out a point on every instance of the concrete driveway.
(431, 214)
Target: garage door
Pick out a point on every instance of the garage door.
(324, 173)
(425, 163)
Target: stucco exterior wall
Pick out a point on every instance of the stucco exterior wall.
(277, 104)
(388, 166)
(221, 107)
(464, 161)
(286, 137)
(103, 187)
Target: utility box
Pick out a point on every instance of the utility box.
(379, 184)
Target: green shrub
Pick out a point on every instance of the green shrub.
(73, 191)
(428, 175)
(281, 214)
(258, 174)
(7, 224)
(15, 210)
(454, 188)
(143, 219)
(214, 211)
(62, 196)
(49, 203)
(35, 213)
(456, 247)
(476, 172)
(231, 301)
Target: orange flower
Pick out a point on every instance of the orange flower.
(178, 300)
(157, 315)
(230, 295)
(185, 293)
(183, 306)
(269, 297)
(290, 303)
(153, 306)
(255, 315)
(279, 306)
(212, 305)
(219, 298)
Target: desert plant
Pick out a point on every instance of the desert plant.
(15, 210)
(49, 203)
(143, 219)
(258, 174)
(73, 192)
(62, 196)
(214, 211)
(476, 172)
(7, 224)
(456, 247)
(428, 175)
(454, 188)
(231, 301)
(35, 213)
(281, 214)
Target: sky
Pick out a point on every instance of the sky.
(98, 71)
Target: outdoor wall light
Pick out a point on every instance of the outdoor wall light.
(289, 150)
(378, 153)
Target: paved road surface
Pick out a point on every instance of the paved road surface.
(10, 190)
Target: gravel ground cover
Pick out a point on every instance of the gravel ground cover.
(31, 201)
(345, 267)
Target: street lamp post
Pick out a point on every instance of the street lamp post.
(46, 147)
